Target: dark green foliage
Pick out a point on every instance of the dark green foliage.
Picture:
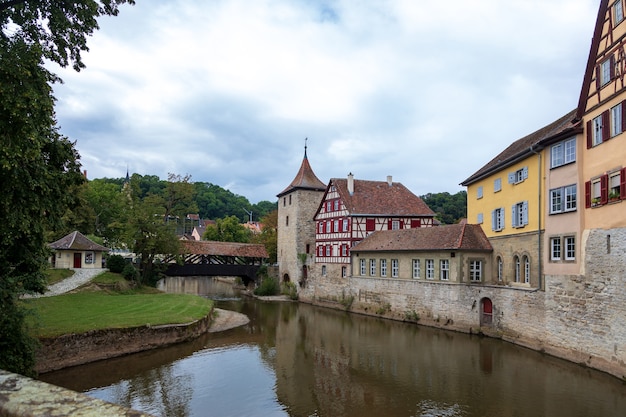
(17, 347)
(228, 229)
(116, 263)
(130, 273)
(450, 208)
(269, 286)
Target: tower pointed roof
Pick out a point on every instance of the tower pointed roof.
(305, 179)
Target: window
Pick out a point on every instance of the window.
(497, 185)
(616, 120)
(618, 12)
(336, 203)
(479, 218)
(479, 192)
(320, 227)
(329, 205)
(596, 191)
(444, 269)
(597, 131)
(308, 248)
(563, 199)
(520, 214)
(289, 199)
(395, 268)
(344, 272)
(606, 71)
(555, 248)
(526, 269)
(345, 225)
(327, 250)
(284, 201)
(362, 267)
(614, 185)
(517, 268)
(395, 224)
(476, 271)
(344, 250)
(336, 225)
(324, 270)
(373, 267)
(497, 219)
(563, 153)
(383, 267)
(416, 268)
(328, 226)
(430, 269)
(518, 176)
(89, 257)
(287, 221)
(500, 265)
(570, 248)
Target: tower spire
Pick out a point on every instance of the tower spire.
(305, 139)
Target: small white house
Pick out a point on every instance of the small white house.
(77, 251)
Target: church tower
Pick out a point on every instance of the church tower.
(297, 205)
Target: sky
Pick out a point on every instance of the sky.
(227, 91)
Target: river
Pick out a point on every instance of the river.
(299, 360)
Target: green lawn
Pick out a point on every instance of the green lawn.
(55, 275)
(81, 312)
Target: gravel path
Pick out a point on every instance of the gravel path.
(80, 277)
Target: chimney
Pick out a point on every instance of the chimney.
(350, 183)
(389, 180)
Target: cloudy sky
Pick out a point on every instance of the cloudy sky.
(228, 90)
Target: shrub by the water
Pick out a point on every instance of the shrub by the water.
(116, 263)
(268, 286)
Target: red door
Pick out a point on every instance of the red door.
(487, 316)
(77, 260)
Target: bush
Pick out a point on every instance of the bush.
(290, 290)
(116, 263)
(269, 286)
(130, 273)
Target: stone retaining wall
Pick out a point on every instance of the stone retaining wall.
(77, 349)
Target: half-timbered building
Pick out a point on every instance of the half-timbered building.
(352, 209)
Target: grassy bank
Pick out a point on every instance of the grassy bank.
(92, 309)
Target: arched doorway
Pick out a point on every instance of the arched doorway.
(486, 312)
(286, 278)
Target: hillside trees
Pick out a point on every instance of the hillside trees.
(449, 208)
(37, 164)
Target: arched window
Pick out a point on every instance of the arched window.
(517, 268)
(526, 270)
(500, 267)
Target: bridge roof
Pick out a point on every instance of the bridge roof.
(210, 247)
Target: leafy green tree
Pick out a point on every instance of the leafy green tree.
(38, 166)
(106, 201)
(227, 229)
(449, 209)
(269, 236)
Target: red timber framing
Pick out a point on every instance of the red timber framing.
(353, 209)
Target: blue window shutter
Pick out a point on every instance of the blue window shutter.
(525, 173)
(493, 220)
(514, 214)
(511, 177)
(501, 218)
(525, 212)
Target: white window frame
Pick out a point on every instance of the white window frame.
(616, 120)
(518, 176)
(614, 182)
(345, 225)
(556, 248)
(563, 153)
(518, 268)
(618, 13)
(475, 270)
(395, 225)
(395, 268)
(444, 269)
(430, 269)
(500, 266)
(526, 269)
(556, 200)
(323, 270)
(416, 269)
(570, 248)
(497, 219)
(605, 72)
(383, 267)
(362, 271)
(373, 267)
(520, 214)
(344, 272)
(596, 133)
(336, 225)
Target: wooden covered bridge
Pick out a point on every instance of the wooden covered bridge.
(211, 258)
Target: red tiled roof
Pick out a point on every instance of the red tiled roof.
(468, 237)
(209, 247)
(521, 147)
(378, 198)
(77, 241)
(305, 179)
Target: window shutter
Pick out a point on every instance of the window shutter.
(525, 213)
(622, 183)
(598, 70)
(604, 189)
(525, 173)
(623, 116)
(589, 135)
(514, 213)
(612, 59)
(389, 224)
(401, 224)
(416, 223)
(606, 131)
(511, 177)
(587, 194)
(493, 220)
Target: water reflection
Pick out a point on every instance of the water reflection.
(299, 360)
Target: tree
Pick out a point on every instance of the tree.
(37, 165)
(449, 209)
(227, 229)
(269, 236)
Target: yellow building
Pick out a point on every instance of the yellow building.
(507, 197)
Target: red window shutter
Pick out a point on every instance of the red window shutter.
(401, 224)
(589, 135)
(389, 224)
(588, 194)
(604, 189)
(598, 77)
(370, 225)
(606, 131)
(623, 116)
(416, 223)
(622, 183)
(612, 67)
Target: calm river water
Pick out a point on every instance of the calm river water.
(298, 360)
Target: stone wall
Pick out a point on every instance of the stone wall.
(578, 318)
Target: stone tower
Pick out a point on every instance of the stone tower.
(297, 205)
